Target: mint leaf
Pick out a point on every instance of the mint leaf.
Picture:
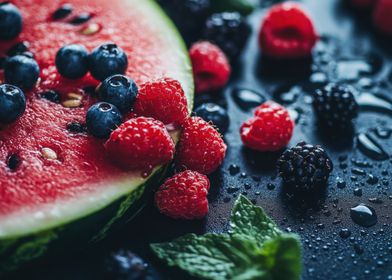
(245, 7)
(255, 249)
(251, 221)
(210, 256)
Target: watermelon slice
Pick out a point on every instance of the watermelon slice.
(57, 187)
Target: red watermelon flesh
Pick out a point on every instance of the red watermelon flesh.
(81, 168)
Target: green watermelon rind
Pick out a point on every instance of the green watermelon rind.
(93, 225)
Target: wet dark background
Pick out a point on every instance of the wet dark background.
(350, 51)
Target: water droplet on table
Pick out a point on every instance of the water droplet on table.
(247, 99)
(363, 215)
(370, 147)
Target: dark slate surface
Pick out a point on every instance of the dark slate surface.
(349, 51)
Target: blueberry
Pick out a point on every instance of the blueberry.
(125, 265)
(214, 113)
(107, 60)
(21, 71)
(10, 21)
(102, 118)
(12, 103)
(118, 90)
(71, 61)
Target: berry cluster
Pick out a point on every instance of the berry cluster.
(305, 166)
(335, 106)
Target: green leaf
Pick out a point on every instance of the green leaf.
(245, 7)
(254, 250)
(210, 256)
(251, 221)
(283, 256)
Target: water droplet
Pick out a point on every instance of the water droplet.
(318, 78)
(383, 133)
(372, 179)
(247, 99)
(374, 102)
(270, 186)
(295, 114)
(370, 147)
(358, 192)
(363, 215)
(232, 189)
(234, 169)
(340, 183)
(344, 233)
(354, 69)
(287, 94)
(375, 200)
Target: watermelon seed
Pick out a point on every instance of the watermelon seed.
(90, 29)
(81, 18)
(48, 153)
(76, 127)
(13, 162)
(51, 95)
(73, 100)
(62, 11)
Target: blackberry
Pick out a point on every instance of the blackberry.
(335, 106)
(229, 31)
(304, 166)
(189, 16)
(125, 265)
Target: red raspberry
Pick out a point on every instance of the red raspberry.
(287, 32)
(140, 143)
(201, 147)
(270, 130)
(163, 100)
(211, 68)
(382, 16)
(184, 196)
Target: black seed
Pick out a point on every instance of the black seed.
(62, 12)
(51, 95)
(81, 18)
(13, 161)
(18, 48)
(76, 127)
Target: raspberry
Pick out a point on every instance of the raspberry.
(382, 18)
(335, 106)
(305, 166)
(229, 31)
(270, 130)
(184, 196)
(163, 100)
(287, 32)
(140, 143)
(200, 148)
(211, 69)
